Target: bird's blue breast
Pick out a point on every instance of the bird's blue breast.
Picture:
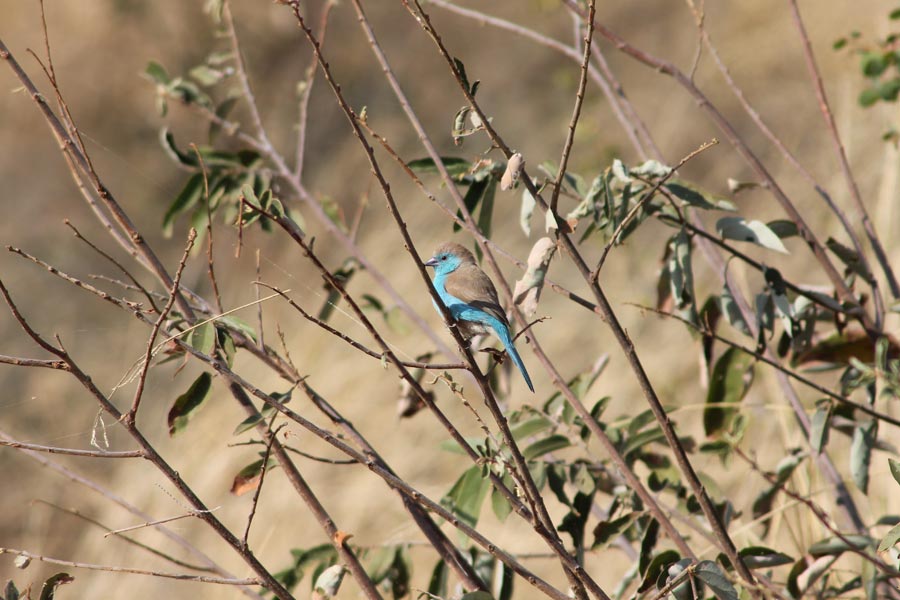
(462, 311)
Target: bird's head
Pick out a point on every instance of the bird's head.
(448, 257)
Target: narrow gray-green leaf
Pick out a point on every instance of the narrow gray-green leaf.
(760, 557)
(525, 212)
(818, 430)
(548, 444)
(467, 495)
(834, 545)
(189, 195)
(756, 232)
(188, 402)
(731, 378)
(890, 539)
(710, 574)
(864, 437)
(240, 325)
(455, 166)
(895, 469)
(202, 338)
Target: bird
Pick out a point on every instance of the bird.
(470, 296)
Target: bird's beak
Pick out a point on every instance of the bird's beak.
(431, 262)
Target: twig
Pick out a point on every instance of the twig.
(162, 574)
(137, 285)
(576, 111)
(131, 415)
(209, 232)
(339, 334)
(261, 342)
(262, 477)
(73, 451)
(193, 513)
(308, 80)
(33, 362)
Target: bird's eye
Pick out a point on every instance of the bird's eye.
(444, 257)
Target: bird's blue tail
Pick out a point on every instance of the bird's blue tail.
(503, 334)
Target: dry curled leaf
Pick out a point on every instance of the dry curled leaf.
(513, 169)
(528, 289)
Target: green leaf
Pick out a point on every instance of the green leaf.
(731, 378)
(895, 469)
(849, 257)
(710, 574)
(548, 444)
(378, 562)
(760, 557)
(437, 583)
(189, 195)
(889, 89)
(890, 539)
(486, 212)
(157, 73)
(873, 64)
(479, 595)
(530, 427)
(240, 325)
(732, 311)
(819, 427)
(188, 402)
(11, 592)
(756, 232)
(835, 546)
(500, 505)
(455, 166)
(461, 69)
(864, 436)
(681, 274)
(467, 495)
(202, 338)
(868, 97)
(659, 563)
(605, 532)
(188, 159)
(48, 591)
(471, 199)
(783, 228)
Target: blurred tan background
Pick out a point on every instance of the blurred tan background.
(100, 49)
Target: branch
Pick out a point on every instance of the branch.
(576, 111)
(162, 574)
(73, 451)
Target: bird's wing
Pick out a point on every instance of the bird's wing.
(472, 285)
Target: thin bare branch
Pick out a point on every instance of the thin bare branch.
(114, 569)
(73, 451)
(576, 111)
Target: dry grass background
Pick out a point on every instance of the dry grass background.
(101, 47)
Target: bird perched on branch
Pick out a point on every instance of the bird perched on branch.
(471, 298)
